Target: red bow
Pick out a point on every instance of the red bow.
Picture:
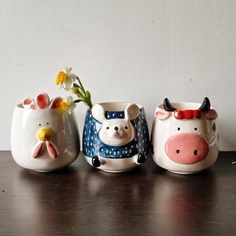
(187, 114)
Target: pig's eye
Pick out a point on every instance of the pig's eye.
(47, 123)
(126, 127)
(178, 128)
(107, 127)
(195, 128)
(39, 124)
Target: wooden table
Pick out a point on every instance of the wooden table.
(81, 200)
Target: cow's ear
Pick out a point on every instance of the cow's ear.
(162, 114)
(132, 112)
(98, 113)
(211, 114)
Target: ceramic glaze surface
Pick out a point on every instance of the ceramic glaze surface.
(116, 139)
(185, 137)
(44, 140)
(186, 148)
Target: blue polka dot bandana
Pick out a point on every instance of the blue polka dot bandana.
(115, 115)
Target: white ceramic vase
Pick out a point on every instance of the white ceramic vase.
(115, 136)
(44, 139)
(184, 136)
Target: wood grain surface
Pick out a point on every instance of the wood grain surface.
(81, 200)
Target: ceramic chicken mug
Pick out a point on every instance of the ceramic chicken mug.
(115, 136)
(43, 136)
(184, 136)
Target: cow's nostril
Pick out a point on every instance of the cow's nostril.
(116, 128)
(195, 152)
(177, 151)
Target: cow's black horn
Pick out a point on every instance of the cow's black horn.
(206, 105)
(167, 106)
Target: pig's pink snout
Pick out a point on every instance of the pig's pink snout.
(186, 148)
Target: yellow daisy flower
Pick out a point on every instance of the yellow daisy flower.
(67, 105)
(61, 78)
(65, 79)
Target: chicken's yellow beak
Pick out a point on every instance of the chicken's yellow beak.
(45, 134)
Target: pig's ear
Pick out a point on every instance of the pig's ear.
(162, 114)
(98, 113)
(42, 101)
(131, 112)
(56, 102)
(211, 114)
(28, 103)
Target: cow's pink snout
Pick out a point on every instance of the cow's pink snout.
(186, 148)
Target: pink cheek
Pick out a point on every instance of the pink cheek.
(104, 132)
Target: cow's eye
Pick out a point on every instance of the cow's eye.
(47, 123)
(178, 128)
(195, 128)
(107, 127)
(126, 127)
(39, 124)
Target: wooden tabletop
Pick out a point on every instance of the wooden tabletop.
(81, 200)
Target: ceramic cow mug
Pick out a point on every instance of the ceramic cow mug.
(43, 137)
(184, 136)
(115, 136)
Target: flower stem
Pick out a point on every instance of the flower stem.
(81, 86)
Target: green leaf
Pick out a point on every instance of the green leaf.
(77, 101)
(88, 95)
(75, 85)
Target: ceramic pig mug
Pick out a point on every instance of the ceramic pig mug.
(184, 136)
(43, 137)
(115, 136)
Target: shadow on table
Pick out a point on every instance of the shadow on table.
(87, 201)
(46, 203)
(183, 204)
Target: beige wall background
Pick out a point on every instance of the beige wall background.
(136, 50)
